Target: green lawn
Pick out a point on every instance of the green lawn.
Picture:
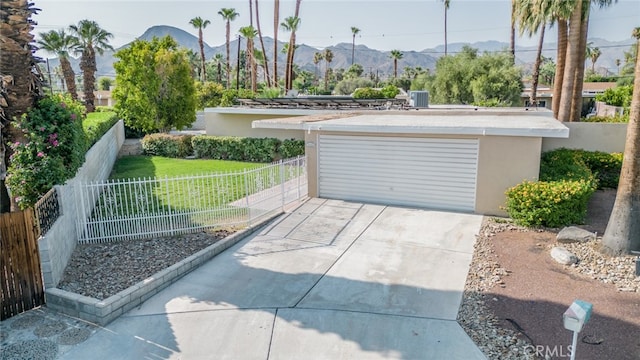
(129, 167)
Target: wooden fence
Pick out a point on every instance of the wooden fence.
(21, 288)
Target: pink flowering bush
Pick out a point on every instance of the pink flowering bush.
(54, 148)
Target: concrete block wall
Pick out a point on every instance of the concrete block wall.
(57, 245)
(607, 137)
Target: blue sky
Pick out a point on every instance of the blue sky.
(385, 25)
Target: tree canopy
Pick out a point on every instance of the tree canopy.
(469, 78)
(155, 89)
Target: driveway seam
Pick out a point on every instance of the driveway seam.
(344, 252)
(273, 330)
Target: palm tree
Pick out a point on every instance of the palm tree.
(20, 87)
(595, 54)
(354, 32)
(218, 60)
(446, 8)
(228, 14)
(328, 58)
(276, 25)
(317, 57)
(618, 62)
(623, 228)
(290, 24)
(571, 62)
(396, 55)
(512, 42)
(249, 33)
(92, 39)
(531, 16)
(61, 43)
(264, 52)
(200, 24)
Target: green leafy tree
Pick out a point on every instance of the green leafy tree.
(348, 86)
(466, 78)
(155, 89)
(208, 94)
(354, 71)
(105, 83)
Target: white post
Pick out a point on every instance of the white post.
(574, 344)
(282, 180)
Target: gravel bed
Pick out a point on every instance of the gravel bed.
(103, 270)
(485, 273)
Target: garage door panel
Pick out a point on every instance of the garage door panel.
(426, 172)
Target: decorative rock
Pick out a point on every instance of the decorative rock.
(574, 234)
(563, 256)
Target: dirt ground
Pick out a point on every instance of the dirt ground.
(538, 291)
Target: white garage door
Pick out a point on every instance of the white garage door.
(424, 172)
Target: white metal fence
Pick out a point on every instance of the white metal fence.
(143, 208)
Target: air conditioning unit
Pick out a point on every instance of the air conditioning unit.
(419, 99)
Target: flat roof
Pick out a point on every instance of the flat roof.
(495, 122)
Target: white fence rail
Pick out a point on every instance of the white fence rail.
(144, 208)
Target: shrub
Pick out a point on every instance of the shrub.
(608, 119)
(208, 94)
(230, 97)
(270, 93)
(553, 203)
(174, 146)
(568, 179)
(291, 148)
(367, 93)
(245, 149)
(390, 91)
(97, 124)
(53, 151)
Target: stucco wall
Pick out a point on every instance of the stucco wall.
(607, 137)
(229, 124)
(503, 162)
(57, 245)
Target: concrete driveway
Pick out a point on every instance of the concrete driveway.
(330, 280)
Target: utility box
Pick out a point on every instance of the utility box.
(419, 99)
(577, 315)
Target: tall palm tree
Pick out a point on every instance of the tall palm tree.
(218, 61)
(618, 62)
(571, 62)
(512, 42)
(396, 55)
(531, 16)
(446, 8)
(595, 54)
(228, 14)
(200, 24)
(276, 25)
(92, 39)
(576, 94)
(328, 58)
(264, 52)
(559, 12)
(317, 57)
(249, 33)
(20, 87)
(290, 24)
(354, 32)
(60, 43)
(623, 228)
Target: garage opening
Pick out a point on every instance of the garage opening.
(438, 173)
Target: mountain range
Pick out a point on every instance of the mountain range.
(372, 60)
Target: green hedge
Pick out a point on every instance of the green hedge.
(97, 124)
(568, 178)
(173, 146)
(222, 147)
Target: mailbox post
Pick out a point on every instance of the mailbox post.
(574, 319)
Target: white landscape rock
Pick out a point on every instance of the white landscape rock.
(563, 256)
(574, 234)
